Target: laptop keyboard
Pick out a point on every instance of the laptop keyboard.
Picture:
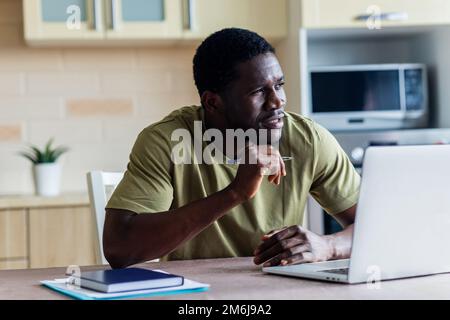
(336, 271)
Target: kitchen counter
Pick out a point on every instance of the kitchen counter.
(33, 201)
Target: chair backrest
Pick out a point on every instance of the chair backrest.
(101, 185)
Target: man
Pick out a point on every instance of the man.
(189, 211)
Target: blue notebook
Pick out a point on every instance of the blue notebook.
(128, 279)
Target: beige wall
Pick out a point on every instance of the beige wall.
(93, 100)
(288, 51)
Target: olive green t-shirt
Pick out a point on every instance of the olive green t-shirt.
(154, 183)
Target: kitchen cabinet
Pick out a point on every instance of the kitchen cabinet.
(267, 17)
(13, 236)
(60, 237)
(14, 264)
(143, 19)
(38, 232)
(63, 20)
(100, 21)
(372, 15)
(103, 22)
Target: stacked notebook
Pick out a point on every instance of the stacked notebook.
(123, 283)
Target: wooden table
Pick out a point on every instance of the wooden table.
(239, 278)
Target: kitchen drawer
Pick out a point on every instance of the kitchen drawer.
(356, 13)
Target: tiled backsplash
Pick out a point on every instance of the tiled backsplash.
(93, 100)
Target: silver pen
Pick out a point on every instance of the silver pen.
(231, 161)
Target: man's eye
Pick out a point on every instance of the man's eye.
(279, 86)
(258, 91)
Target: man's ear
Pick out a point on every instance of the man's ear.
(212, 102)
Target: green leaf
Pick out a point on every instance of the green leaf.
(47, 152)
(38, 153)
(47, 155)
(58, 152)
(28, 156)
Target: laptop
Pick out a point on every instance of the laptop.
(402, 226)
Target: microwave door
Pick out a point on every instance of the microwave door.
(356, 91)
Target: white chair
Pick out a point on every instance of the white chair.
(101, 185)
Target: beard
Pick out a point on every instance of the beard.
(253, 131)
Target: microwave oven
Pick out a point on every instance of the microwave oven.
(362, 97)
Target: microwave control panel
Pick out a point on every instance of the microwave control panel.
(414, 94)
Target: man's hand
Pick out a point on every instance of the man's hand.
(293, 245)
(257, 162)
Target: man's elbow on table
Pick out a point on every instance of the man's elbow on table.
(115, 235)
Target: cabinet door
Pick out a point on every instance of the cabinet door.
(13, 235)
(203, 17)
(367, 13)
(60, 237)
(143, 19)
(63, 20)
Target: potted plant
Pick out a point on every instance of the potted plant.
(46, 171)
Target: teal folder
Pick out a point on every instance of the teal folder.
(72, 291)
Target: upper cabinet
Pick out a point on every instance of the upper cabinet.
(267, 17)
(373, 15)
(143, 19)
(60, 22)
(63, 20)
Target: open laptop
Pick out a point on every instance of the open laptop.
(402, 226)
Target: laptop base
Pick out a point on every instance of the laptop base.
(325, 271)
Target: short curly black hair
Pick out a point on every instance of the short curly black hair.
(215, 59)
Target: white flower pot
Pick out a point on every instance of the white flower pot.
(47, 179)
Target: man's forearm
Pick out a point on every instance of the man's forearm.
(341, 243)
(148, 236)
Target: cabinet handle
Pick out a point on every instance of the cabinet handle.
(114, 14)
(388, 16)
(189, 14)
(97, 15)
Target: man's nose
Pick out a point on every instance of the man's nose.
(275, 100)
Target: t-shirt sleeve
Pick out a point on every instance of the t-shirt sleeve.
(147, 185)
(335, 183)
